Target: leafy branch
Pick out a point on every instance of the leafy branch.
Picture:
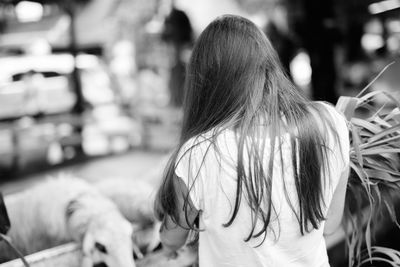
(374, 181)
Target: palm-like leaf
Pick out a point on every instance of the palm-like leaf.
(375, 176)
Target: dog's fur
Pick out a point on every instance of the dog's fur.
(135, 199)
(66, 209)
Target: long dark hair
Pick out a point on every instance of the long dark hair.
(235, 80)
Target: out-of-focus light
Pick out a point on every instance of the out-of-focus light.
(155, 26)
(371, 42)
(65, 129)
(122, 62)
(119, 144)
(390, 4)
(26, 122)
(394, 26)
(375, 8)
(87, 61)
(94, 142)
(39, 47)
(122, 66)
(393, 44)
(123, 48)
(55, 154)
(29, 11)
(300, 69)
(383, 6)
(373, 26)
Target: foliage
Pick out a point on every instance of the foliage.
(375, 177)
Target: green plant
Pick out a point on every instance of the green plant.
(375, 178)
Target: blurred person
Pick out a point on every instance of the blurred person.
(178, 31)
(260, 172)
(319, 34)
(278, 31)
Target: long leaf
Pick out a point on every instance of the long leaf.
(376, 78)
(369, 96)
(378, 112)
(368, 143)
(347, 105)
(391, 97)
(392, 213)
(356, 144)
(394, 113)
(388, 131)
(368, 238)
(373, 151)
(381, 175)
(381, 122)
(394, 173)
(367, 125)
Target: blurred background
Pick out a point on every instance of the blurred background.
(95, 87)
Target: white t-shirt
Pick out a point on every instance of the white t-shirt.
(211, 177)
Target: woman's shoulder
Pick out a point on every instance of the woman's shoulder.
(195, 145)
(208, 146)
(339, 123)
(327, 111)
(207, 139)
(329, 107)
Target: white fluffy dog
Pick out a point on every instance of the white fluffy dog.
(69, 209)
(135, 198)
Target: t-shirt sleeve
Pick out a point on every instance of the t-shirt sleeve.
(342, 147)
(338, 149)
(190, 167)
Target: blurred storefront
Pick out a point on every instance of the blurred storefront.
(123, 77)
